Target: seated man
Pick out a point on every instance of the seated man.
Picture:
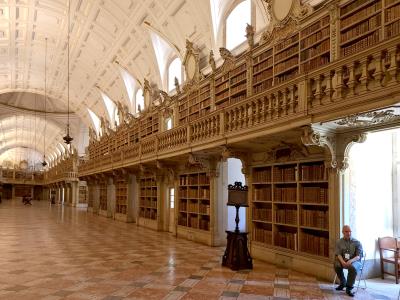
(347, 256)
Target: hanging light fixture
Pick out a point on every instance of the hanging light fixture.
(44, 163)
(68, 139)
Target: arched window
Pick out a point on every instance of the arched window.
(236, 24)
(168, 123)
(139, 100)
(174, 70)
(96, 121)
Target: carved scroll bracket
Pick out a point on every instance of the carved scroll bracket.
(208, 163)
(338, 144)
(243, 156)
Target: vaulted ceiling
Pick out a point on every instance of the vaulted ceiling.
(102, 32)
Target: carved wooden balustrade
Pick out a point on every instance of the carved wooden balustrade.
(64, 170)
(369, 78)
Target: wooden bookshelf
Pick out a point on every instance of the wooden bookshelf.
(149, 125)
(204, 98)
(238, 83)
(290, 208)
(263, 77)
(103, 196)
(221, 90)
(183, 109)
(83, 194)
(90, 196)
(360, 25)
(315, 45)
(148, 203)
(194, 201)
(121, 196)
(133, 133)
(392, 18)
(286, 59)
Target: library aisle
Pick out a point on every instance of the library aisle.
(63, 253)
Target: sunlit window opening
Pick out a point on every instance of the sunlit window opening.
(236, 24)
(139, 101)
(369, 200)
(171, 198)
(110, 107)
(130, 84)
(174, 70)
(95, 120)
(168, 123)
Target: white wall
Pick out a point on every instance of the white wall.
(235, 174)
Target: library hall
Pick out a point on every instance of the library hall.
(199, 149)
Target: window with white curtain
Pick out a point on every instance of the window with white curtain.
(139, 100)
(174, 70)
(236, 24)
(168, 123)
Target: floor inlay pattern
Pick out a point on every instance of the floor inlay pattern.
(57, 252)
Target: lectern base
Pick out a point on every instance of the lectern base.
(237, 256)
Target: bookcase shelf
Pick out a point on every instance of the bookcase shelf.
(286, 59)
(315, 44)
(149, 125)
(290, 208)
(83, 194)
(194, 201)
(392, 18)
(121, 196)
(103, 196)
(360, 25)
(148, 203)
(90, 196)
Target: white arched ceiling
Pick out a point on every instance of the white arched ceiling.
(10, 156)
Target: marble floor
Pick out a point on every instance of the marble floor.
(64, 253)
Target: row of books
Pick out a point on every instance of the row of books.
(263, 86)
(313, 244)
(262, 214)
(389, 2)
(265, 64)
(316, 50)
(352, 5)
(284, 174)
(286, 194)
(121, 209)
(221, 79)
(262, 194)
(314, 38)
(286, 64)
(205, 95)
(148, 203)
(310, 194)
(288, 52)
(316, 26)
(204, 89)
(222, 96)
(312, 172)
(286, 76)
(238, 70)
(262, 235)
(262, 56)
(183, 206)
(193, 179)
(182, 220)
(222, 87)
(366, 11)
(262, 175)
(392, 29)
(204, 224)
(263, 75)
(314, 218)
(315, 63)
(193, 221)
(148, 213)
(287, 42)
(286, 216)
(204, 208)
(286, 239)
(360, 29)
(239, 78)
(148, 193)
(368, 41)
(239, 87)
(237, 98)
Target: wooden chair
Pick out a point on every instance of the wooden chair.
(389, 253)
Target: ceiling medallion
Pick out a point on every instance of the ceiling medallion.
(369, 118)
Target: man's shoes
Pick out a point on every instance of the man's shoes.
(349, 293)
(340, 288)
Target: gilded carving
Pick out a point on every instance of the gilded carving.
(369, 118)
(211, 61)
(250, 35)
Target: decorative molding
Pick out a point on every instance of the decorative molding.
(368, 118)
(191, 62)
(250, 31)
(286, 152)
(232, 153)
(211, 61)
